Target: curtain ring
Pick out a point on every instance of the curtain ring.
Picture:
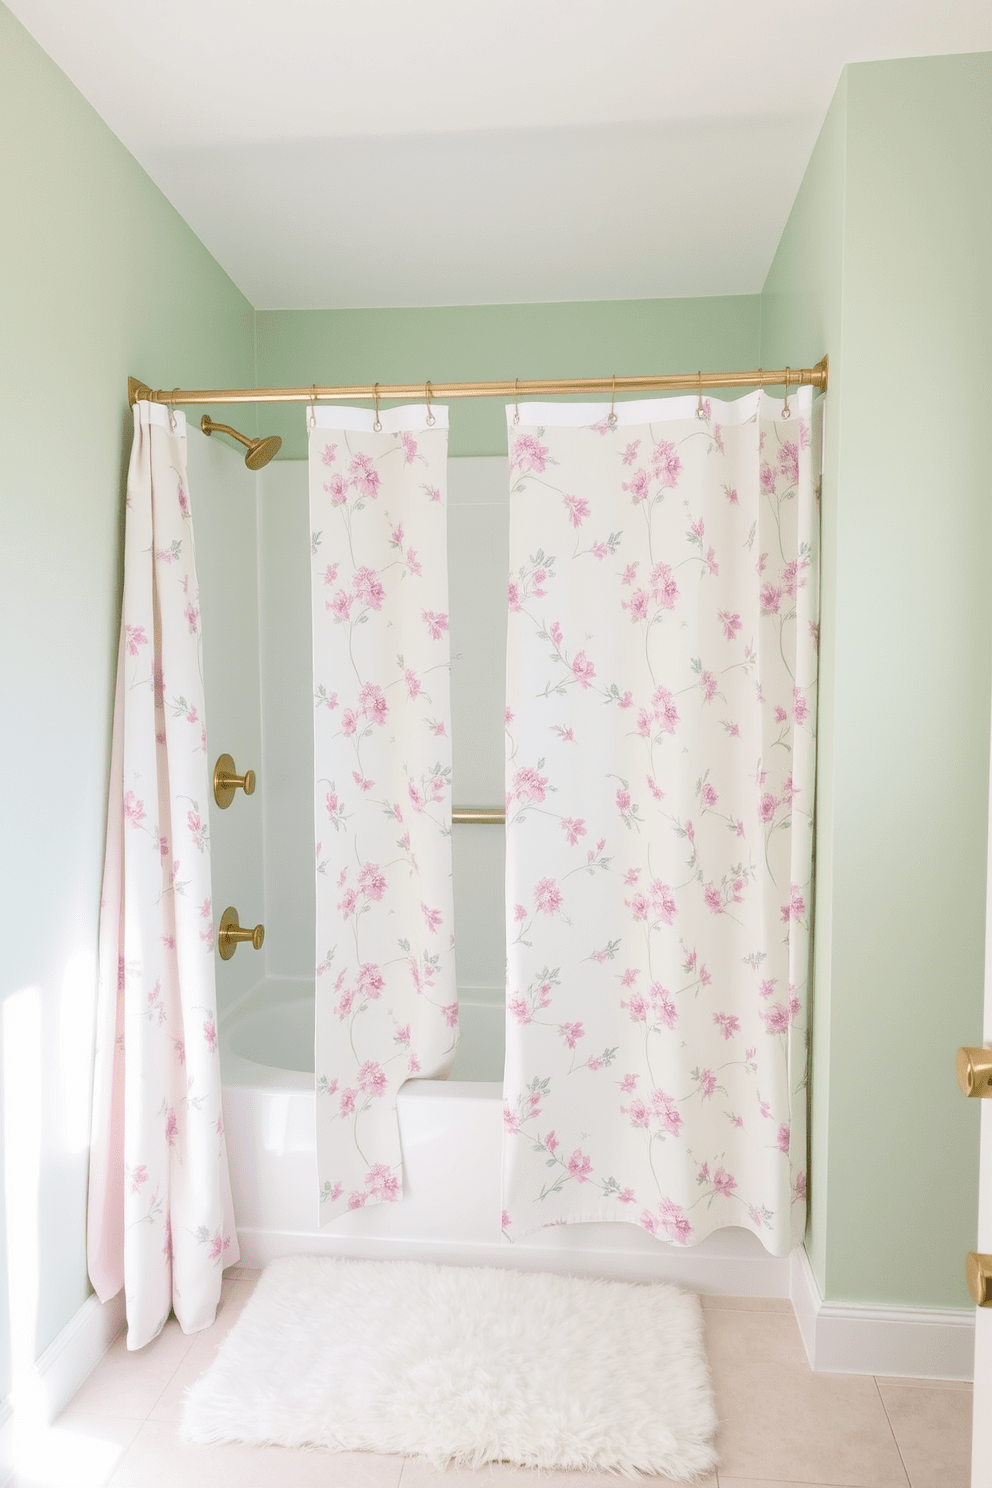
(430, 413)
(312, 415)
(700, 410)
(786, 410)
(378, 423)
(172, 410)
(516, 400)
(612, 420)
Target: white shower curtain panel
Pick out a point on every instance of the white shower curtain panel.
(387, 1005)
(661, 688)
(160, 1221)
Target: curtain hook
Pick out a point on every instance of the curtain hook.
(428, 394)
(312, 415)
(516, 400)
(375, 394)
(612, 420)
(171, 402)
(786, 410)
(700, 410)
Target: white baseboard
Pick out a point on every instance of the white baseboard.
(67, 1361)
(858, 1338)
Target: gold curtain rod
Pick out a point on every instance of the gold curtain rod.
(675, 382)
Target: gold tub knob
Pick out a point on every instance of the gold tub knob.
(978, 1271)
(230, 934)
(227, 781)
(974, 1071)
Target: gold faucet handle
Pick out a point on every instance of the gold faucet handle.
(231, 934)
(974, 1071)
(227, 781)
(978, 1273)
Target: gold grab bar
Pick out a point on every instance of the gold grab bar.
(479, 816)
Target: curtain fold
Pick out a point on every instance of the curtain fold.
(387, 1007)
(661, 692)
(160, 1221)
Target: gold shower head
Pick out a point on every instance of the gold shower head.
(260, 451)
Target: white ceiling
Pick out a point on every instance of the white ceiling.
(430, 152)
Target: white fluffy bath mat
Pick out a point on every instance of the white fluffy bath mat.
(463, 1364)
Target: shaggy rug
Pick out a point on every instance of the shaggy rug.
(463, 1365)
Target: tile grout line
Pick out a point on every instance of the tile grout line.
(881, 1399)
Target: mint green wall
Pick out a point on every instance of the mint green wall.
(886, 263)
(99, 278)
(488, 343)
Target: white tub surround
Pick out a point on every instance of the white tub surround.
(451, 1135)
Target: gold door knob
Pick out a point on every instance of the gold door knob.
(974, 1069)
(226, 781)
(978, 1270)
(230, 934)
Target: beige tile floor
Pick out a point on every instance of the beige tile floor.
(781, 1426)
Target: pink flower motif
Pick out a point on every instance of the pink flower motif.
(708, 797)
(784, 1138)
(728, 1024)
(665, 710)
(547, 896)
(135, 637)
(380, 1182)
(788, 461)
(337, 489)
(218, 1245)
(574, 828)
(210, 1034)
(134, 810)
(800, 707)
(771, 598)
(404, 1034)
(356, 1200)
(663, 1005)
(372, 1078)
(347, 1103)
(583, 670)
(330, 573)
(372, 703)
(136, 1176)
(779, 1017)
(370, 980)
(409, 448)
(628, 1083)
(580, 1166)
(371, 881)
(707, 1083)
(167, 1246)
(413, 563)
(724, 1183)
(513, 598)
(519, 913)
(731, 623)
(637, 1007)
(714, 901)
(639, 906)
(510, 1121)
(432, 916)
(529, 787)
(799, 1186)
(436, 623)
(638, 485)
(767, 479)
(518, 1007)
(638, 605)
(341, 605)
(708, 684)
(766, 988)
(183, 500)
(528, 454)
(767, 807)
(599, 550)
(578, 509)
(796, 907)
(664, 590)
(674, 1221)
(368, 588)
(666, 463)
(571, 1033)
(630, 453)
(328, 456)
(556, 634)
(667, 1112)
(192, 613)
(364, 476)
(623, 800)
(450, 1014)
(171, 1126)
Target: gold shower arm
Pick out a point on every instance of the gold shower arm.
(676, 382)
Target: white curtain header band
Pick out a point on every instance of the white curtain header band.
(659, 410)
(410, 417)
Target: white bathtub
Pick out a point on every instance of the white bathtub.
(451, 1134)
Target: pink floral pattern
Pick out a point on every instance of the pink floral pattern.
(661, 695)
(160, 1222)
(386, 999)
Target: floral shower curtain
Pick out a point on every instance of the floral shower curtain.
(661, 689)
(160, 1221)
(387, 1005)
